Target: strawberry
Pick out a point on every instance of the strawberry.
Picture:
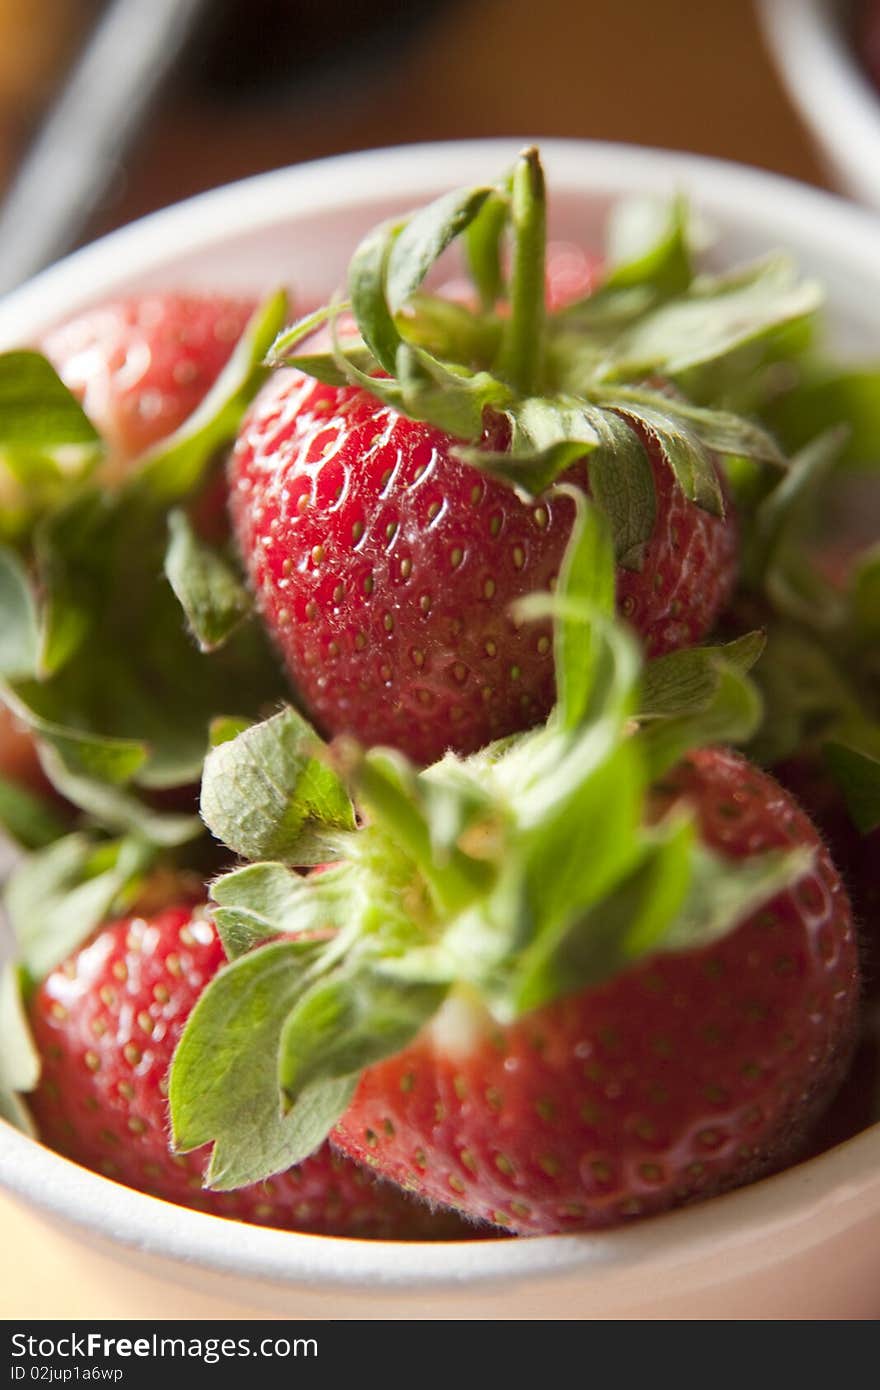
(93, 527)
(679, 1078)
(593, 972)
(385, 568)
(141, 364)
(856, 855)
(105, 1024)
(393, 497)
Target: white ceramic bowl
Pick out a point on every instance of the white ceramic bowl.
(812, 45)
(805, 1243)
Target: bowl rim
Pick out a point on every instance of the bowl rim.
(779, 207)
(800, 1201)
(828, 86)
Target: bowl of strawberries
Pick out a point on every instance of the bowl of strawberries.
(441, 739)
(827, 53)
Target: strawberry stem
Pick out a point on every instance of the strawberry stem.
(521, 358)
(453, 879)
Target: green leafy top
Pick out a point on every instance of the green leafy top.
(123, 636)
(470, 875)
(127, 647)
(811, 578)
(581, 382)
(117, 671)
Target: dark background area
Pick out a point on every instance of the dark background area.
(272, 82)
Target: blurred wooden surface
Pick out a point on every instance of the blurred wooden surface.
(678, 73)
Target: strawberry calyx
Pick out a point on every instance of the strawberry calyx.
(568, 384)
(529, 870)
(820, 677)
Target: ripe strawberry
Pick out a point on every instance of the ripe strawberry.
(142, 364)
(683, 1076)
(106, 1023)
(393, 489)
(385, 569)
(856, 856)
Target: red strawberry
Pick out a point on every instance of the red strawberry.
(106, 1023)
(684, 1076)
(385, 569)
(141, 365)
(857, 856)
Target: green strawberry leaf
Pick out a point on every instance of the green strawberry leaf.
(117, 809)
(622, 483)
(824, 396)
(547, 436)
(723, 893)
(450, 332)
(403, 804)
(56, 897)
(66, 545)
(48, 445)
(261, 901)
(483, 241)
(730, 715)
(225, 727)
(455, 401)
(124, 693)
(19, 1059)
(686, 681)
(19, 633)
(713, 318)
(267, 793)
(857, 773)
(562, 884)
(689, 458)
(279, 354)
(865, 599)
(804, 690)
(784, 514)
(648, 244)
(27, 818)
(347, 1021)
(425, 237)
(37, 411)
(112, 760)
(367, 278)
(606, 938)
(224, 1077)
(349, 364)
(586, 578)
(719, 430)
(175, 467)
(211, 594)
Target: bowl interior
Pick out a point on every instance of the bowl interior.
(297, 227)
